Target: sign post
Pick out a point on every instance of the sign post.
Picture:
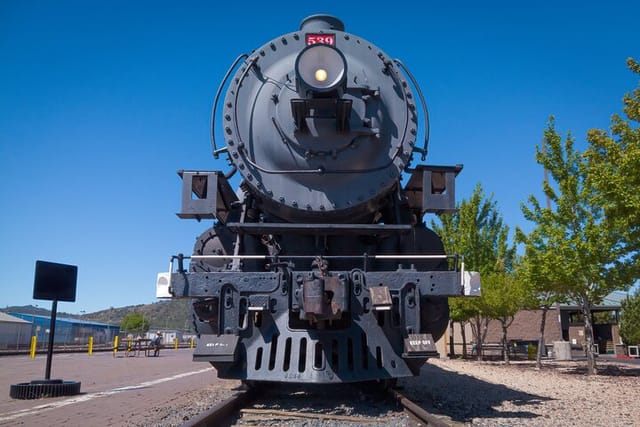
(52, 331)
(54, 282)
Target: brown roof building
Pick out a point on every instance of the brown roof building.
(564, 322)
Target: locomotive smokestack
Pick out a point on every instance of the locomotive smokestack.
(321, 22)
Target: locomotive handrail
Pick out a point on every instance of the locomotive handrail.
(320, 170)
(216, 151)
(423, 150)
(259, 228)
(459, 258)
(315, 256)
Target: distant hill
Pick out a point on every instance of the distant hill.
(173, 314)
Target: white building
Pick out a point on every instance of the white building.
(14, 332)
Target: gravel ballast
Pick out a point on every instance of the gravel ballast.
(472, 393)
(495, 394)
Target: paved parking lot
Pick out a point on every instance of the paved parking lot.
(114, 391)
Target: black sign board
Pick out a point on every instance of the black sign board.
(419, 345)
(221, 348)
(55, 282)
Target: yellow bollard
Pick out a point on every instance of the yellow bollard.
(90, 346)
(533, 350)
(115, 346)
(191, 344)
(32, 350)
(175, 343)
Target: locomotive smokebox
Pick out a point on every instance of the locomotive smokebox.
(320, 124)
(320, 23)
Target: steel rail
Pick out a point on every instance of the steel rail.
(222, 413)
(417, 411)
(218, 414)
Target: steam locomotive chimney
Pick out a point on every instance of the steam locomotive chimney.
(321, 22)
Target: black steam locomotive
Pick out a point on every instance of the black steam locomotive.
(319, 267)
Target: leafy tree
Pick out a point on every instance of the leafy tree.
(478, 233)
(460, 312)
(630, 319)
(583, 249)
(614, 166)
(542, 294)
(135, 322)
(502, 297)
(535, 269)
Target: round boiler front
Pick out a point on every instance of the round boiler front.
(312, 150)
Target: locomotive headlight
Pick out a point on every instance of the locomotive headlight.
(320, 75)
(320, 68)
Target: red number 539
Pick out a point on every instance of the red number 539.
(329, 39)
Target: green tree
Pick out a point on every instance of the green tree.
(536, 266)
(459, 312)
(583, 250)
(614, 166)
(542, 294)
(502, 297)
(477, 232)
(135, 322)
(630, 319)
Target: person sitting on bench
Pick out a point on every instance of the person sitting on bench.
(156, 344)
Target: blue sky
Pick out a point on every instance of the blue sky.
(102, 101)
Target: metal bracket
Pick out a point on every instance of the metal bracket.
(205, 195)
(432, 189)
(258, 302)
(338, 109)
(380, 298)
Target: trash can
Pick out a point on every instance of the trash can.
(562, 350)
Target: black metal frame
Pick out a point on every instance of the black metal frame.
(372, 337)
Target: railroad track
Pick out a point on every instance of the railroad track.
(416, 411)
(224, 412)
(243, 409)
